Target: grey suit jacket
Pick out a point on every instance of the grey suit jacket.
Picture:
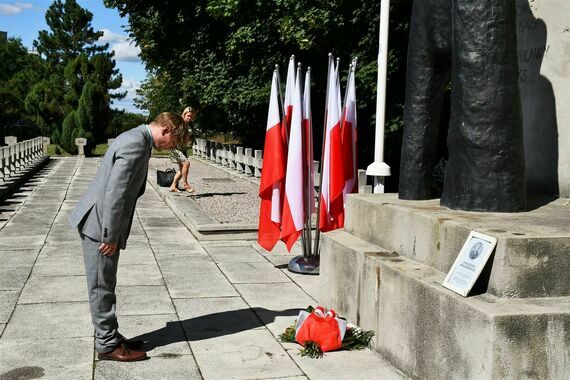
(105, 212)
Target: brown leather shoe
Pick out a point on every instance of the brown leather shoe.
(122, 353)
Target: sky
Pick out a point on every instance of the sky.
(24, 19)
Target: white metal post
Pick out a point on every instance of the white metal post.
(379, 169)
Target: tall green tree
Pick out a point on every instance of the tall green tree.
(43, 104)
(66, 140)
(76, 74)
(92, 113)
(19, 71)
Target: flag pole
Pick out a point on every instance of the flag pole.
(346, 87)
(306, 232)
(304, 240)
(308, 142)
(379, 169)
(337, 69)
(355, 137)
(279, 90)
(318, 231)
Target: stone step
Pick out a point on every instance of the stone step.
(428, 331)
(530, 259)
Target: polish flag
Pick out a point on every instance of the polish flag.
(349, 134)
(308, 147)
(272, 176)
(293, 207)
(332, 208)
(289, 89)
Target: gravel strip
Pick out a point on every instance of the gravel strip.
(226, 197)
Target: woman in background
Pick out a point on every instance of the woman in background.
(180, 158)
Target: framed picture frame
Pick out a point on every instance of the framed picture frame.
(469, 263)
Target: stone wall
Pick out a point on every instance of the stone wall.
(543, 47)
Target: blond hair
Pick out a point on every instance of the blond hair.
(175, 123)
(188, 110)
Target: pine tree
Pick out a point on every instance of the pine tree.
(71, 34)
(92, 114)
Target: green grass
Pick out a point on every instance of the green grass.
(160, 153)
(100, 149)
(56, 150)
(226, 138)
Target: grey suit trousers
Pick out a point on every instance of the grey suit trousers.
(101, 274)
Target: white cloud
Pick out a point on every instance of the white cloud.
(125, 51)
(131, 86)
(127, 106)
(124, 48)
(14, 8)
(131, 83)
(127, 103)
(109, 36)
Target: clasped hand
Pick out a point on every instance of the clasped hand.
(108, 249)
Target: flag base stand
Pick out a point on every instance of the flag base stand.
(302, 265)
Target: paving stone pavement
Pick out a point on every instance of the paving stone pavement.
(210, 310)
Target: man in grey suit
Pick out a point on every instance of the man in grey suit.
(104, 216)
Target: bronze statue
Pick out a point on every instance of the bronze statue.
(473, 44)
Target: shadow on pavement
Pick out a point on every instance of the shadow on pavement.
(211, 326)
(207, 195)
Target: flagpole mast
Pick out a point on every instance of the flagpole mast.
(308, 163)
(379, 169)
(337, 69)
(318, 231)
(346, 88)
(279, 90)
(355, 137)
(304, 241)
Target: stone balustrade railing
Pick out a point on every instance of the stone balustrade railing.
(17, 156)
(250, 162)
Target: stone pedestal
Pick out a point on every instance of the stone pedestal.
(45, 144)
(10, 140)
(384, 272)
(80, 143)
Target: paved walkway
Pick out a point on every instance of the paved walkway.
(209, 310)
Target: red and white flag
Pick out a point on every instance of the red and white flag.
(288, 106)
(349, 138)
(308, 147)
(293, 207)
(273, 175)
(331, 214)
